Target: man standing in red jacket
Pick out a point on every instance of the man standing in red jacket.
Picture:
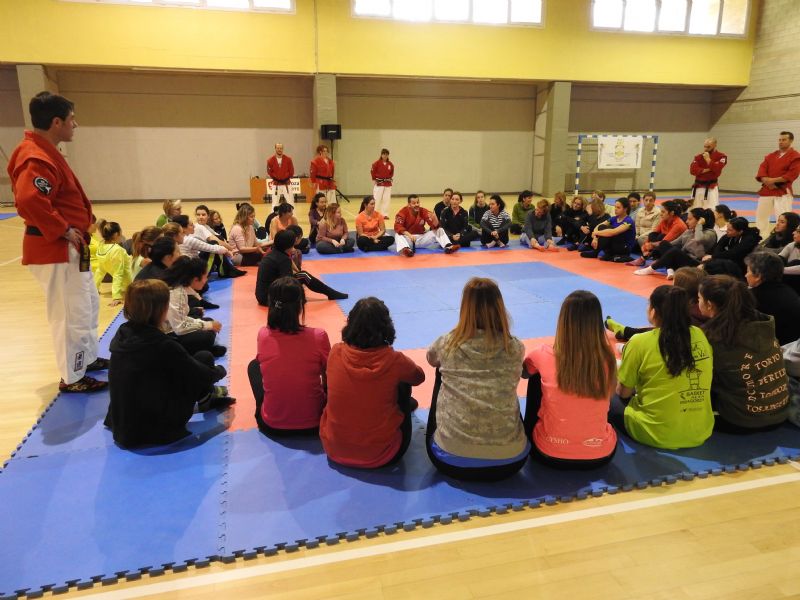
(382, 173)
(55, 246)
(706, 168)
(280, 169)
(322, 172)
(776, 174)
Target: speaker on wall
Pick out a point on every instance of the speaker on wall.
(331, 132)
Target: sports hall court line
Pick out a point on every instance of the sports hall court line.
(312, 561)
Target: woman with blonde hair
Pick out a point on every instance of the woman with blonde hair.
(172, 208)
(332, 235)
(243, 237)
(570, 387)
(474, 426)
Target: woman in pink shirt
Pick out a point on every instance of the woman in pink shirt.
(243, 237)
(332, 236)
(370, 228)
(571, 383)
(288, 373)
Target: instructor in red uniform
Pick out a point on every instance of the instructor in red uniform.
(706, 168)
(382, 173)
(281, 169)
(776, 174)
(55, 246)
(322, 169)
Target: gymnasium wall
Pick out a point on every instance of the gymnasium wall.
(463, 135)
(150, 135)
(747, 122)
(323, 36)
(11, 126)
(680, 117)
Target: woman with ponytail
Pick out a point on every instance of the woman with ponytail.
(288, 374)
(142, 243)
(722, 216)
(750, 384)
(665, 377)
(739, 240)
(112, 259)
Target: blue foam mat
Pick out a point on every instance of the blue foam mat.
(424, 303)
(475, 247)
(4, 216)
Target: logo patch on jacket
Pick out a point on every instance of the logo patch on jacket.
(42, 185)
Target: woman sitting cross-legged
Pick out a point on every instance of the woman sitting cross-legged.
(370, 229)
(615, 238)
(316, 213)
(278, 263)
(669, 227)
(154, 381)
(569, 390)
(595, 215)
(750, 390)
(773, 297)
(192, 333)
(538, 231)
(669, 369)
(455, 222)
(332, 235)
(739, 240)
(163, 253)
(474, 427)
(495, 223)
(367, 420)
(688, 248)
(249, 251)
(288, 374)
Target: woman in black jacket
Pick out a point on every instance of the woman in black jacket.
(739, 240)
(154, 381)
(277, 264)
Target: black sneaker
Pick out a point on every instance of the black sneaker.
(209, 305)
(99, 364)
(589, 254)
(215, 402)
(218, 350)
(334, 295)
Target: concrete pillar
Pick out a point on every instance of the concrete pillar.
(32, 80)
(325, 103)
(555, 143)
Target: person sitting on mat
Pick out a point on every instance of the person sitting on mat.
(739, 240)
(595, 215)
(278, 263)
(474, 427)
(192, 333)
(686, 278)
(243, 237)
(773, 297)
(750, 390)
(112, 259)
(370, 229)
(495, 223)
(538, 232)
(332, 234)
(284, 219)
(616, 238)
(664, 381)
(367, 420)
(521, 210)
(573, 219)
(688, 248)
(670, 226)
(410, 230)
(455, 223)
(781, 235)
(163, 253)
(477, 209)
(141, 243)
(316, 213)
(172, 208)
(556, 212)
(154, 381)
(288, 374)
(569, 390)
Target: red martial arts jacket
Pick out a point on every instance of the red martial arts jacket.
(382, 170)
(49, 198)
(718, 162)
(774, 165)
(407, 221)
(283, 173)
(322, 173)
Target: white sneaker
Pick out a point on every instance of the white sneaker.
(645, 271)
(670, 273)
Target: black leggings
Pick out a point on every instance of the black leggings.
(196, 341)
(467, 237)
(614, 245)
(257, 385)
(367, 244)
(495, 473)
(314, 284)
(487, 237)
(674, 258)
(532, 404)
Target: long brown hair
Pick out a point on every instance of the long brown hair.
(143, 240)
(735, 306)
(245, 210)
(585, 362)
(482, 308)
(330, 214)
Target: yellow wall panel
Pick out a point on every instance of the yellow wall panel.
(67, 33)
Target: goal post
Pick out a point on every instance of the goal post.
(584, 137)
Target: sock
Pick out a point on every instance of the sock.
(614, 326)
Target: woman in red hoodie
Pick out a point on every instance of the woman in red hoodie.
(367, 421)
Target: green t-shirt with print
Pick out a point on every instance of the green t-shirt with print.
(667, 412)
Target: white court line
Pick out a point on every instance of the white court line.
(443, 538)
(8, 262)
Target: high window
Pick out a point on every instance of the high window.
(286, 6)
(488, 12)
(692, 17)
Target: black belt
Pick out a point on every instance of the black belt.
(383, 180)
(282, 181)
(704, 185)
(31, 230)
(325, 178)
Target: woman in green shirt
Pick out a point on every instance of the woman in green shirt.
(665, 377)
